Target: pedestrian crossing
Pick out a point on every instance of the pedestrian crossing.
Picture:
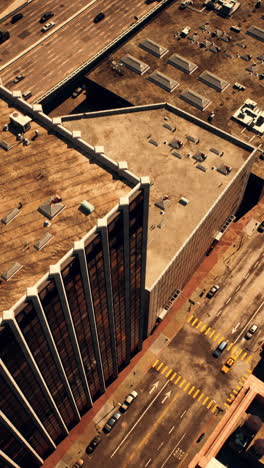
(186, 386)
(237, 388)
(217, 337)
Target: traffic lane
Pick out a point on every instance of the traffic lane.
(64, 51)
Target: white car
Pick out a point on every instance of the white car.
(212, 291)
(127, 402)
(251, 331)
(47, 26)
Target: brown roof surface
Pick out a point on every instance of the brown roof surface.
(30, 175)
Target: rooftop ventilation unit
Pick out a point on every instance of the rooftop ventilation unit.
(177, 155)
(11, 271)
(162, 203)
(11, 215)
(214, 81)
(43, 241)
(199, 156)
(134, 64)
(182, 64)
(86, 207)
(153, 48)
(201, 168)
(195, 99)
(20, 121)
(193, 139)
(50, 210)
(163, 81)
(183, 201)
(225, 170)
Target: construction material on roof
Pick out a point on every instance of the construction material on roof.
(135, 64)
(177, 155)
(5, 145)
(11, 215)
(261, 58)
(43, 241)
(153, 48)
(162, 203)
(246, 57)
(195, 99)
(176, 144)
(169, 127)
(153, 142)
(11, 271)
(86, 207)
(163, 81)
(256, 32)
(214, 81)
(250, 116)
(49, 209)
(20, 121)
(193, 139)
(215, 151)
(201, 168)
(225, 170)
(199, 156)
(182, 64)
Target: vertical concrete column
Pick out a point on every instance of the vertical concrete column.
(24, 402)
(56, 274)
(5, 459)
(145, 186)
(5, 421)
(102, 228)
(8, 318)
(124, 207)
(32, 294)
(79, 250)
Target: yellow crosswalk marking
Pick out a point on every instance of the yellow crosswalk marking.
(182, 382)
(238, 354)
(198, 325)
(230, 399)
(177, 380)
(216, 336)
(229, 347)
(203, 327)
(160, 366)
(168, 373)
(210, 404)
(196, 393)
(214, 408)
(234, 349)
(190, 318)
(238, 387)
(244, 355)
(164, 369)
(172, 377)
(187, 386)
(207, 331)
(227, 405)
(192, 389)
(212, 334)
(235, 391)
(205, 400)
(249, 358)
(155, 363)
(201, 396)
(194, 322)
(221, 339)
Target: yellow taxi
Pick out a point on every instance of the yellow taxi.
(229, 363)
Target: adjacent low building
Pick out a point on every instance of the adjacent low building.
(251, 116)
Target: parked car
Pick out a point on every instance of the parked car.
(228, 364)
(128, 401)
(18, 78)
(261, 227)
(220, 348)
(99, 17)
(251, 331)
(78, 463)
(48, 26)
(201, 436)
(46, 16)
(93, 444)
(16, 18)
(4, 36)
(27, 94)
(77, 92)
(212, 291)
(112, 422)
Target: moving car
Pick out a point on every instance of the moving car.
(127, 402)
(261, 227)
(111, 422)
(229, 363)
(99, 17)
(93, 444)
(78, 463)
(18, 78)
(48, 26)
(16, 18)
(212, 291)
(46, 16)
(220, 348)
(251, 331)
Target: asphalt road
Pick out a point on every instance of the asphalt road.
(65, 47)
(179, 397)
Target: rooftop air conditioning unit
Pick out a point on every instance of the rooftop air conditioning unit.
(20, 121)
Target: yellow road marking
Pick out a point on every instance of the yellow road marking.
(244, 355)
(238, 387)
(220, 339)
(169, 373)
(201, 396)
(196, 393)
(192, 389)
(155, 363)
(207, 331)
(235, 348)
(213, 410)
(172, 377)
(235, 391)
(227, 405)
(249, 358)
(160, 366)
(194, 322)
(212, 334)
(229, 347)
(205, 400)
(177, 380)
(198, 325)
(238, 354)
(187, 386)
(182, 382)
(216, 336)
(190, 318)
(210, 404)
(203, 327)
(164, 369)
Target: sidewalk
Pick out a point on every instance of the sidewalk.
(74, 445)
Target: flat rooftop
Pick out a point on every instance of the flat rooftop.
(29, 175)
(132, 136)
